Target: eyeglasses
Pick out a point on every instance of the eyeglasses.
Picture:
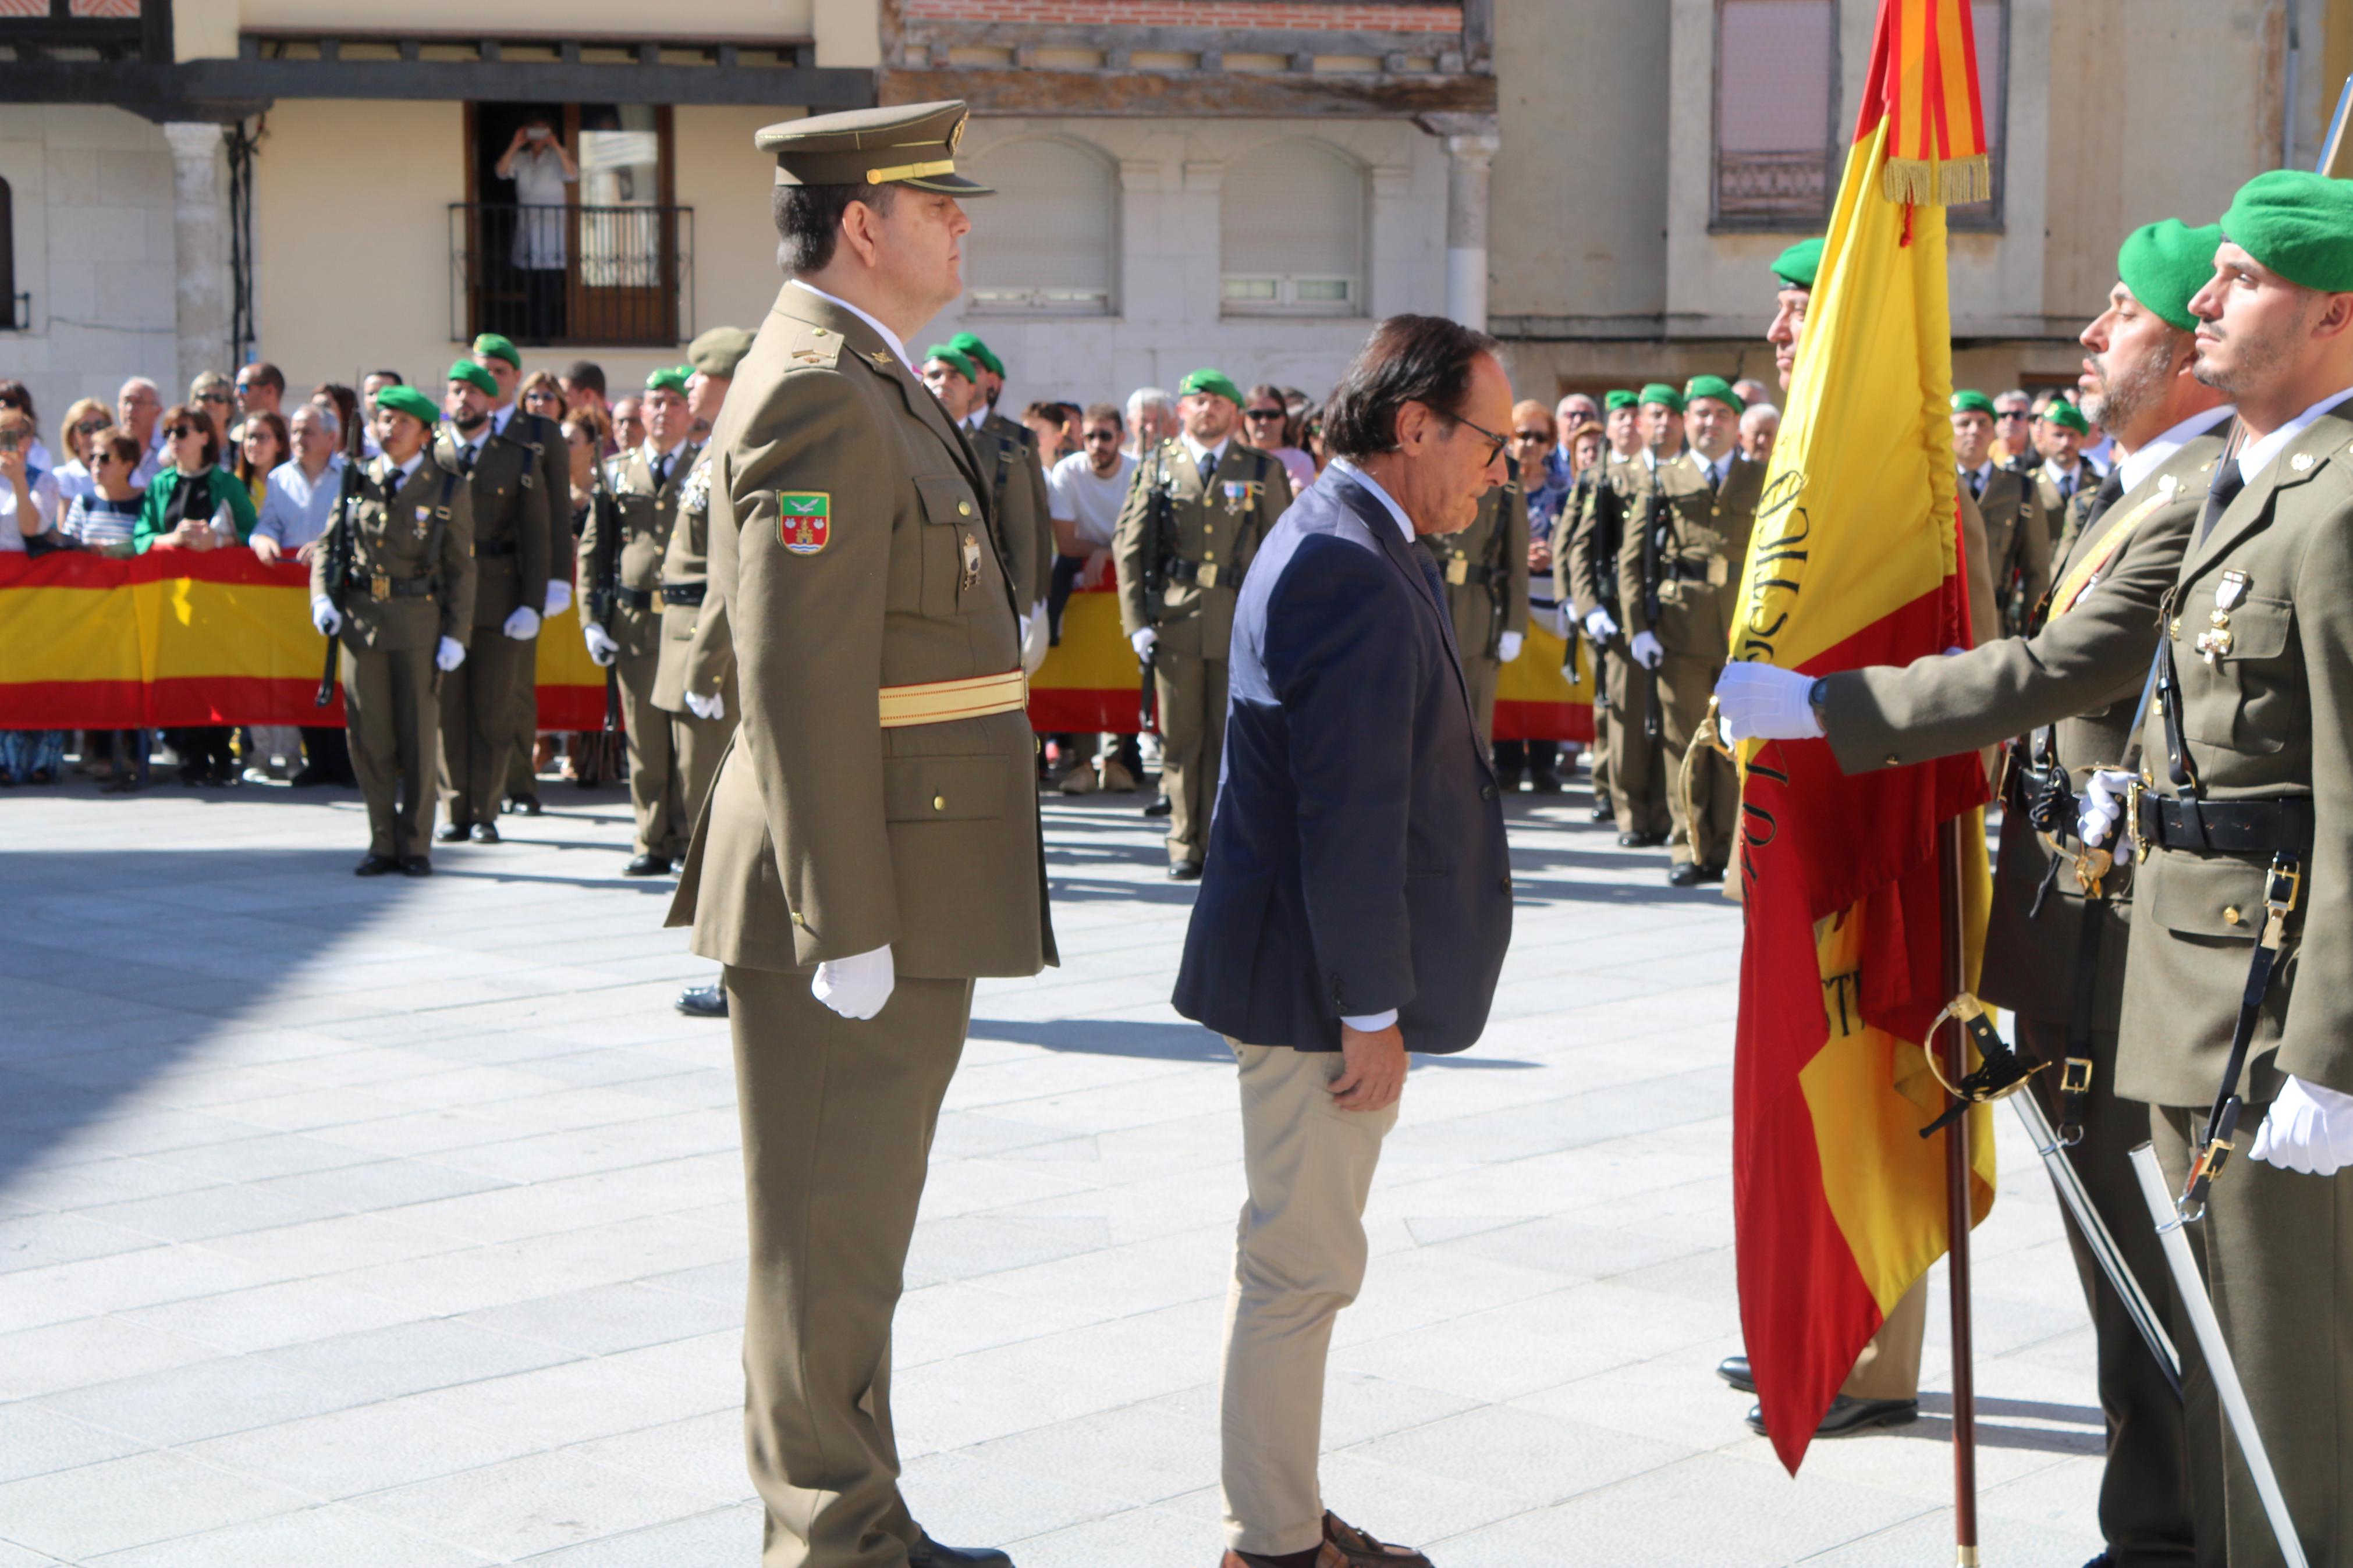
(1264, 414)
(1532, 436)
(216, 396)
(1109, 436)
(92, 427)
(181, 432)
(1496, 443)
(2015, 414)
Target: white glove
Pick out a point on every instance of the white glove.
(1760, 702)
(1508, 647)
(1034, 639)
(326, 618)
(602, 649)
(1648, 651)
(2100, 809)
(559, 597)
(1600, 625)
(1143, 641)
(855, 987)
(2309, 1129)
(523, 625)
(449, 655)
(711, 706)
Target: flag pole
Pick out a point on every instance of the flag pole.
(1957, 1214)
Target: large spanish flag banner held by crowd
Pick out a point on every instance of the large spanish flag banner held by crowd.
(1839, 1205)
(215, 637)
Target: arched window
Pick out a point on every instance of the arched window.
(1047, 242)
(1291, 238)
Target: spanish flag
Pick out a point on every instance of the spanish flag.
(1839, 1205)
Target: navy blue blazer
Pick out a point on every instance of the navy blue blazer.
(1356, 859)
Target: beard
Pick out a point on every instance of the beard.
(2260, 356)
(468, 423)
(2128, 391)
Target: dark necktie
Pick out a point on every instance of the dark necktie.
(2112, 490)
(1208, 470)
(1714, 479)
(1976, 484)
(661, 471)
(2227, 482)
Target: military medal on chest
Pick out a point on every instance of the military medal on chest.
(1239, 496)
(971, 577)
(424, 522)
(2215, 641)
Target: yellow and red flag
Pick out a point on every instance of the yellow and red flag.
(1839, 1205)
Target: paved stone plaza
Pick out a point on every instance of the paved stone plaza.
(399, 1223)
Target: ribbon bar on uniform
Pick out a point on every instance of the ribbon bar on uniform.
(942, 701)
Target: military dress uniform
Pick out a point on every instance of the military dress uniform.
(1485, 570)
(1008, 451)
(563, 566)
(697, 655)
(2253, 761)
(1705, 524)
(2053, 957)
(1628, 768)
(505, 485)
(2058, 497)
(645, 487)
(410, 584)
(2018, 542)
(1215, 522)
(878, 794)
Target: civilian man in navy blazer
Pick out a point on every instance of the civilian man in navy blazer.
(1356, 898)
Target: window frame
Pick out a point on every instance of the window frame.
(1042, 304)
(1719, 221)
(1287, 305)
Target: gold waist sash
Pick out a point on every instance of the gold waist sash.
(941, 701)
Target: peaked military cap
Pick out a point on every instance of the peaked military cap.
(909, 144)
(718, 351)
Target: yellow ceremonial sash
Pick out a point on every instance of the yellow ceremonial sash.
(2086, 570)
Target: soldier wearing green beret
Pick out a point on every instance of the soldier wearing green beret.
(1194, 514)
(2055, 951)
(1635, 781)
(2018, 545)
(647, 484)
(1485, 571)
(498, 355)
(2238, 988)
(407, 612)
(511, 537)
(1679, 571)
(2066, 478)
(870, 846)
(1007, 450)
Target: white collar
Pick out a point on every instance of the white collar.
(1714, 468)
(1197, 451)
(1982, 473)
(2058, 475)
(2256, 455)
(1372, 487)
(499, 418)
(400, 471)
(973, 420)
(2135, 466)
(889, 336)
(653, 454)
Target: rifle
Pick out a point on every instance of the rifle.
(1655, 522)
(1159, 547)
(604, 579)
(337, 547)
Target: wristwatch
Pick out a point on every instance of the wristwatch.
(1816, 696)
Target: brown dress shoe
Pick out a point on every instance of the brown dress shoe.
(1345, 1546)
(1325, 1556)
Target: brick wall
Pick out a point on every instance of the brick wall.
(1284, 15)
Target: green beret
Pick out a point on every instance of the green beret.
(1216, 382)
(2299, 225)
(1967, 402)
(1659, 393)
(492, 345)
(1796, 267)
(954, 358)
(2062, 412)
(1716, 387)
(973, 348)
(2166, 263)
(410, 401)
(1618, 400)
(669, 378)
(718, 351)
(468, 371)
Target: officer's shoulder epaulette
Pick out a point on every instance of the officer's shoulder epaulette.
(445, 453)
(813, 347)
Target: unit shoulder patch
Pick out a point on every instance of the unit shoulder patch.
(804, 521)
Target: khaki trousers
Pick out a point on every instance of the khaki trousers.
(1637, 786)
(522, 778)
(2145, 1494)
(1299, 1257)
(1685, 684)
(477, 724)
(392, 714)
(1480, 675)
(1191, 693)
(2277, 1247)
(700, 743)
(1889, 1366)
(1605, 729)
(838, 1119)
(663, 824)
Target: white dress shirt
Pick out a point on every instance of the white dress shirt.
(2140, 464)
(889, 336)
(1200, 454)
(2256, 455)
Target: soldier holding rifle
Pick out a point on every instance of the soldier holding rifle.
(1633, 790)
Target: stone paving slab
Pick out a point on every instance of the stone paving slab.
(400, 1223)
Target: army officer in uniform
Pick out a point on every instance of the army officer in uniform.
(2054, 956)
(406, 609)
(2018, 545)
(872, 846)
(1485, 570)
(1194, 514)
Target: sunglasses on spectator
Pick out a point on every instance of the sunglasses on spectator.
(1109, 436)
(216, 396)
(92, 427)
(1531, 435)
(181, 432)
(2015, 414)
(1264, 414)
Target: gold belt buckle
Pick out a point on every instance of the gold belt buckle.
(2133, 793)
(2075, 1075)
(1458, 572)
(379, 586)
(1208, 576)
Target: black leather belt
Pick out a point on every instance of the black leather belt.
(635, 598)
(1461, 573)
(683, 593)
(495, 547)
(1207, 573)
(1687, 571)
(2225, 827)
(376, 585)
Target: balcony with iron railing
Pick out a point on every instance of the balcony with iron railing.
(609, 277)
(1771, 189)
